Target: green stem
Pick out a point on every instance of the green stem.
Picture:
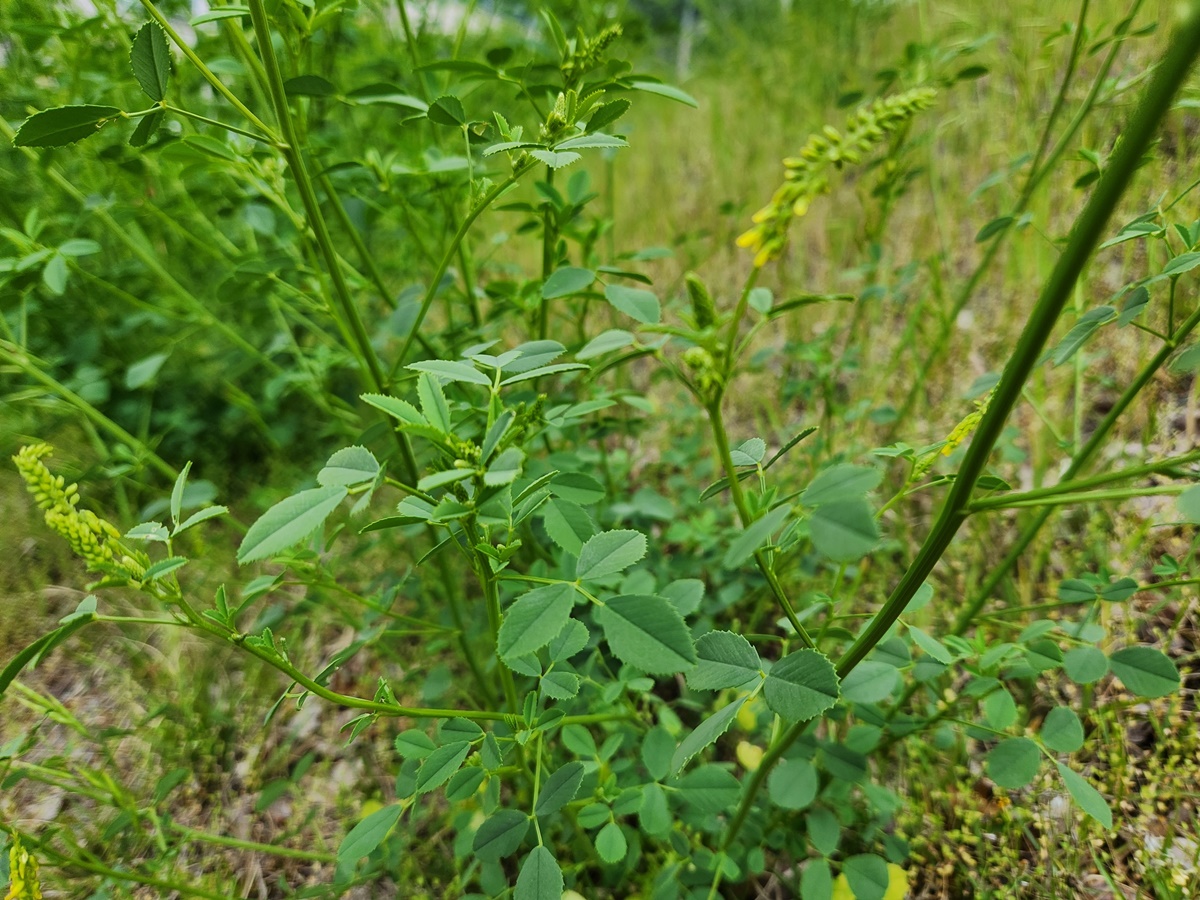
(721, 439)
(1068, 499)
(1082, 484)
(451, 250)
(232, 128)
(238, 843)
(346, 314)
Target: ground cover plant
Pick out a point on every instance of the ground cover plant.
(544, 549)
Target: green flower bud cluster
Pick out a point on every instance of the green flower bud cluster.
(707, 376)
(589, 52)
(807, 174)
(93, 540)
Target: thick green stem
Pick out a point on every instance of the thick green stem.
(345, 313)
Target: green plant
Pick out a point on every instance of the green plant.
(567, 730)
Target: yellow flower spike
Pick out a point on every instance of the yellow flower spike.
(24, 883)
(805, 173)
(93, 540)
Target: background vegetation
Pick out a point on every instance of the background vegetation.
(167, 303)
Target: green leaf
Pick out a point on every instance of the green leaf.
(541, 372)
(1062, 731)
(608, 113)
(1080, 332)
(1000, 709)
(931, 645)
(824, 830)
(63, 125)
(817, 881)
(592, 141)
(1090, 800)
(613, 339)
(566, 281)
(349, 466)
(559, 789)
(1189, 504)
(868, 876)
(534, 620)
(433, 403)
(451, 370)
(685, 595)
(505, 468)
(870, 682)
(710, 789)
(1185, 363)
(367, 835)
(148, 125)
(749, 453)
(568, 524)
(801, 686)
(577, 487)
(745, 544)
(309, 86)
(610, 843)
(726, 660)
(664, 90)
(845, 530)
(560, 685)
(1119, 591)
(1014, 762)
(447, 110)
(215, 15)
(993, 228)
(841, 482)
(1085, 665)
(288, 522)
(441, 764)
(398, 409)
(500, 835)
(634, 302)
(1184, 262)
(657, 749)
(540, 878)
(647, 633)
(414, 744)
(1145, 672)
(150, 58)
(706, 733)
(554, 159)
(143, 371)
(464, 783)
(610, 552)
(655, 815)
(569, 641)
(164, 567)
(793, 784)
(177, 492)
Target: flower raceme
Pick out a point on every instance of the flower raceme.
(808, 173)
(24, 883)
(93, 540)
